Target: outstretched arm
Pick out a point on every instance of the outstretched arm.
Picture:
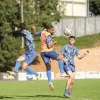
(34, 31)
(82, 56)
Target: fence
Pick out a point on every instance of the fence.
(79, 26)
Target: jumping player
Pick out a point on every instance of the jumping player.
(69, 51)
(27, 57)
(47, 52)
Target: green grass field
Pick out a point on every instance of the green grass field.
(88, 89)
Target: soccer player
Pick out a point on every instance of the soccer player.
(27, 57)
(47, 52)
(69, 51)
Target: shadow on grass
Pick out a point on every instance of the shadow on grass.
(38, 96)
(27, 97)
(6, 97)
(49, 96)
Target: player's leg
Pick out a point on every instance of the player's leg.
(56, 56)
(17, 65)
(68, 82)
(61, 67)
(48, 69)
(69, 79)
(48, 72)
(61, 64)
(72, 82)
(30, 70)
(29, 58)
(71, 85)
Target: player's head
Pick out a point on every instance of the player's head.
(22, 26)
(50, 29)
(71, 40)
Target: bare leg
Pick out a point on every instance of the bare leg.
(71, 84)
(68, 82)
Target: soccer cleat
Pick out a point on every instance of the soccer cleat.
(63, 75)
(66, 95)
(11, 73)
(51, 86)
(38, 78)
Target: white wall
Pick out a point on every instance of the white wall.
(75, 7)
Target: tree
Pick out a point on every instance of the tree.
(9, 46)
(41, 11)
(95, 6)
(35, 12)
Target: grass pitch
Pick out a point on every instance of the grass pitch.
(88, 89)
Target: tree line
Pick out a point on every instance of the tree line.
(36, 12)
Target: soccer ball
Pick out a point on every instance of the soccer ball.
(29, 76)
(67, 32)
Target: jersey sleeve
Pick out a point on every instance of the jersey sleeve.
(39, 33)
(23, 34)
(77, 52)
(49, 40)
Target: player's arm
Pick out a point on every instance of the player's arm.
(34, 31)
(50, 42)
(83, 55)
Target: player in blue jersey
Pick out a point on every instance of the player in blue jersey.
(25, 59)
(69, 51)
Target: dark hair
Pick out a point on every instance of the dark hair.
(22, 26)
(72, 37)
(47, 25)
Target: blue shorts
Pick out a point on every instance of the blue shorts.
(29, 56)
(47, 55)
(69, 67)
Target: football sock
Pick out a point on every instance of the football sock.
(17, 66)
(48, 72)
(31, 71)
(61, 65)
(66, 90)
(69, 92)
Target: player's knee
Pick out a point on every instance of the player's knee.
(60, 57)
(18, 59)
(48, 66)
(23, 66)
(21, 58)
(71, 76)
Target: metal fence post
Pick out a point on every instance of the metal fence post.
(22, 20)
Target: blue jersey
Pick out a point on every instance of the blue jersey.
(69, 53)
(29, 41)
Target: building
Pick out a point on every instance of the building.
(75, 7)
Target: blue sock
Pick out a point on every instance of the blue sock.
(17, 66)
(48, 72)
(66, 90)
(69, 92)
(61, 65)
(31, 71)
